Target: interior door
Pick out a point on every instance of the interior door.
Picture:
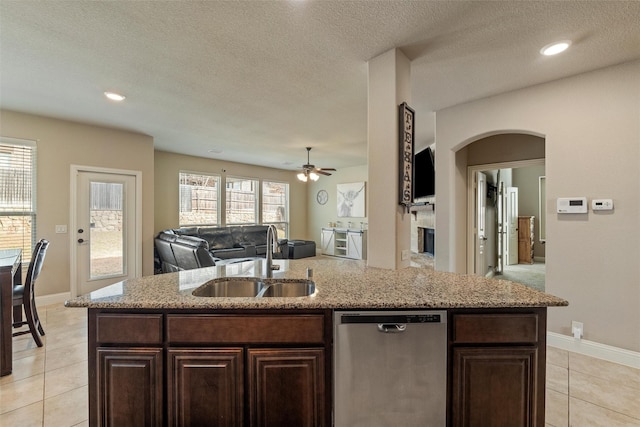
(512, 225)
(481, 223)
(105, 235)
(501, 226)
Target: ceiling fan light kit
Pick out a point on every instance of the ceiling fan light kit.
(310, 171)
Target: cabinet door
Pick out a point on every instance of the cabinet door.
(286, 387)
(495, 386)
(205, 387)
(327, 242)
(354, 245)
(129, 386)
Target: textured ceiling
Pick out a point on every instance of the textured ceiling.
(260, 80)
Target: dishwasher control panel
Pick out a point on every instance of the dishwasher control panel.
(394, 318)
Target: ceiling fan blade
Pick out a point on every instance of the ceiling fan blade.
(321, 172)
(326, 169)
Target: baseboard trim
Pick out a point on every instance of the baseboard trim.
(52, 299)
(594, 349)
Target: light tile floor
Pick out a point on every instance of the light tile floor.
(48, 386)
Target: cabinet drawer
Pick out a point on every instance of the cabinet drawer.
(129, 328)
(221, 329)
(495, 328)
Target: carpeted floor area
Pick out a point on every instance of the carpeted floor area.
(532, 275)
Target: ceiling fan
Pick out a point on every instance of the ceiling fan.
(310, 171)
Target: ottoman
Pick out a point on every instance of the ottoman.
(301, 249)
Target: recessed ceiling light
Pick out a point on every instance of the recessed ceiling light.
(114, 96)
(555, 48)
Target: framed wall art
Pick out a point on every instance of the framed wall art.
(351, 200)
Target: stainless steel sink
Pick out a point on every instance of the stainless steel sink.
(250, 287)
(230, 287)
(298, 288)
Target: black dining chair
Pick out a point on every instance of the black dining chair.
(24, 296)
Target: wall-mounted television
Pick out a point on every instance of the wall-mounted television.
(424, 174)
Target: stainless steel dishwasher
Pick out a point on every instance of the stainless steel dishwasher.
(390, 368)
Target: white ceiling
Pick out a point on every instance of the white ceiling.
(261, 80)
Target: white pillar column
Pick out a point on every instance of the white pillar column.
(389, 224)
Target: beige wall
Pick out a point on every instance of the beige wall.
(591, 125)
(320, 215)
(60, 144)
(169, 165)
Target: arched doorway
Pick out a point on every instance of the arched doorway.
(503, 173)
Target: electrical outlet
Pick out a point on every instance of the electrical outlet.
(577, 329)
(405, 255)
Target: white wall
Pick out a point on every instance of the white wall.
(591, 124)
(320, 215)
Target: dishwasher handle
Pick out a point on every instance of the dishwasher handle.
(392, 328)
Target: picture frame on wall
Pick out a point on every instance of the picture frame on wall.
(351, 200)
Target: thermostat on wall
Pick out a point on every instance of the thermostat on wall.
(572, 205)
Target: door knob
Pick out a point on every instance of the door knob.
(80, 230)
(80, 240)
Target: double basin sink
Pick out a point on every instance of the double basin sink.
(254, 287)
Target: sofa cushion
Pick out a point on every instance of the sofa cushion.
(256, 234)
(193, 241)
(229, 253)
(190, 231)
(217, 237)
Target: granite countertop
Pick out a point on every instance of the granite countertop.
(340, 284)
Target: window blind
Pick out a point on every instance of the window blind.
(18, 195)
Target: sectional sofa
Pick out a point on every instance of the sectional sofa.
(196, 247)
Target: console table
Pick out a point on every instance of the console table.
(344, 242)
(10, 273)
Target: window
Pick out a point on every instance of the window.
(199, 199)
(242, 201)
(275, 207)
(18, 196)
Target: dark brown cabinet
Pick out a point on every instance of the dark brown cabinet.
(296, 377)
(224, 369)
(526, 238)
(205, 387)
(129, 387)
(497, 371)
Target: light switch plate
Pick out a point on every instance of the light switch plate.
(61, 229)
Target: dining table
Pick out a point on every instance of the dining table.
(10, 274)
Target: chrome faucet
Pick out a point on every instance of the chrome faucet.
(272, 247)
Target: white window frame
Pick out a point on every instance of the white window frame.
(281, 225)
(256, 207)
(25, 211)
(219, 213)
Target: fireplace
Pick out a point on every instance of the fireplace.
(426, 240)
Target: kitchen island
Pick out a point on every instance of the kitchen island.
(160, 356)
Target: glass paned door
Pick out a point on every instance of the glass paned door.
(105, 229)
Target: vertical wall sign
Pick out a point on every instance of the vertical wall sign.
(407, 134)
